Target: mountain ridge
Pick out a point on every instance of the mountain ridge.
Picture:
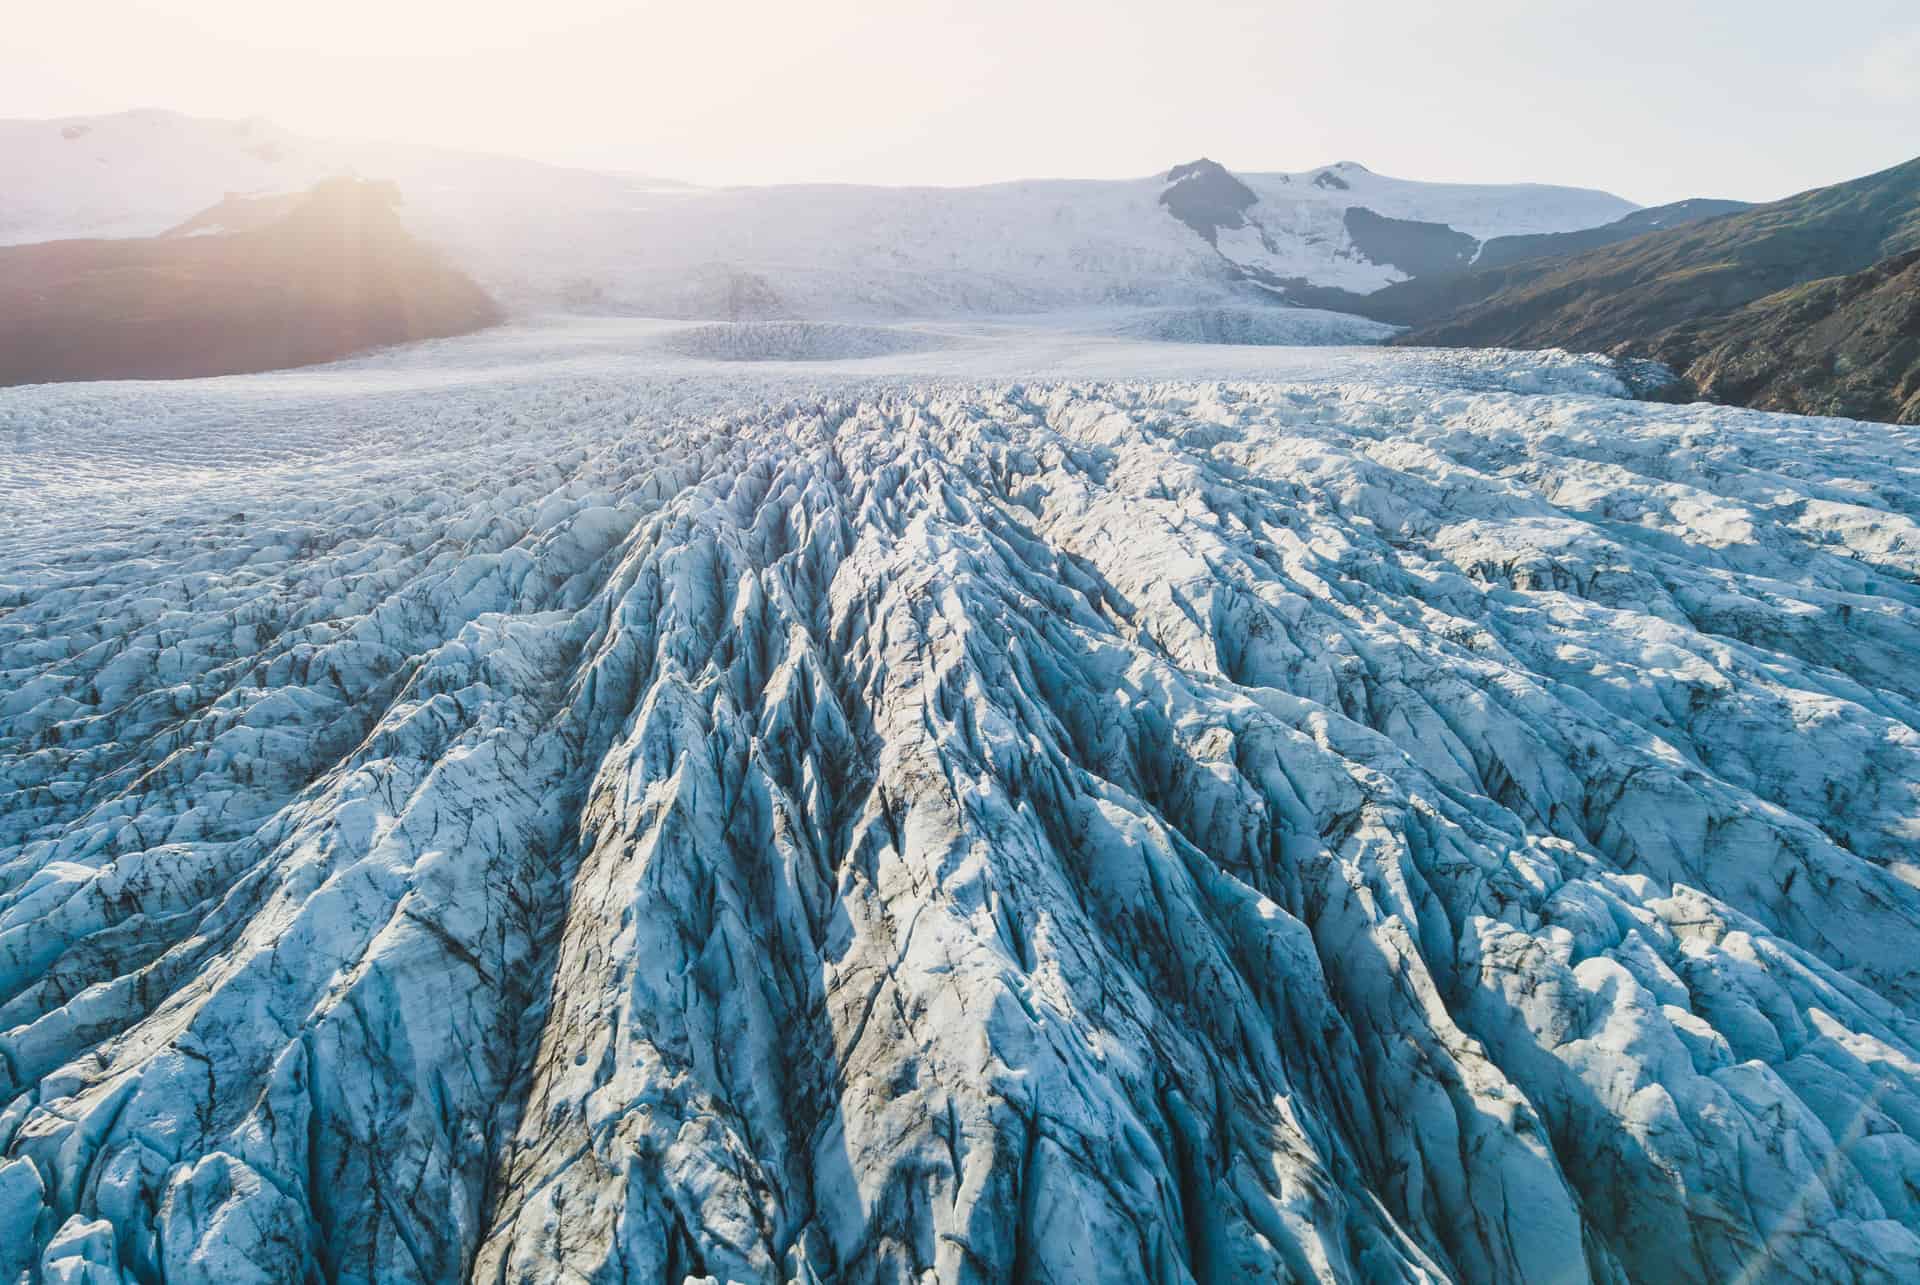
(540, 238)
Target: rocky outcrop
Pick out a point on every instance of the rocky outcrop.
(1184, 833)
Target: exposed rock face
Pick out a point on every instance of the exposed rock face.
(1844, 346)
(1416, 248)
(1205, 197)
(1183, 833)
(249, 286)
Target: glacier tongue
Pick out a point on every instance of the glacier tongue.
(1083, 830)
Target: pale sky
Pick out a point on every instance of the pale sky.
(1653, 99)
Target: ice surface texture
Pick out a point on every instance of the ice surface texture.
(644, 827)
(797, 341)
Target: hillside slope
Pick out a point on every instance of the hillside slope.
(1845, 346)
(1507, 250)
(1628, 295)
(317, 277)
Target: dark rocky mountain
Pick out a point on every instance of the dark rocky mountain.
(1626, 296)
(1415, 247)
(299, 282)
(1842, 346)
(1203, 195)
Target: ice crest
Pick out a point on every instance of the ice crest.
(1415, 821)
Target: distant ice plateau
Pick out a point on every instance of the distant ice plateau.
(1003, 803)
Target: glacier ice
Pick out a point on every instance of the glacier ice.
(589, 817)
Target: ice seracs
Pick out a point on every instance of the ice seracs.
(594, 819)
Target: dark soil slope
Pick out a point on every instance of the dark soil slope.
(329, 275)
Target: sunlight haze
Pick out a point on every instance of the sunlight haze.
(1748, 100)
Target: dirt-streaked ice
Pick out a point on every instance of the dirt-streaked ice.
(548, 807)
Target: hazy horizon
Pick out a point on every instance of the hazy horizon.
(1750, 101)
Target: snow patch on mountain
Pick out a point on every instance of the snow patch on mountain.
(1347, 227)
(534, 807)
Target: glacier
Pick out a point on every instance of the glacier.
(557, 806)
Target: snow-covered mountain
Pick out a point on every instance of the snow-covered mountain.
(553, 806)
(544, 237)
